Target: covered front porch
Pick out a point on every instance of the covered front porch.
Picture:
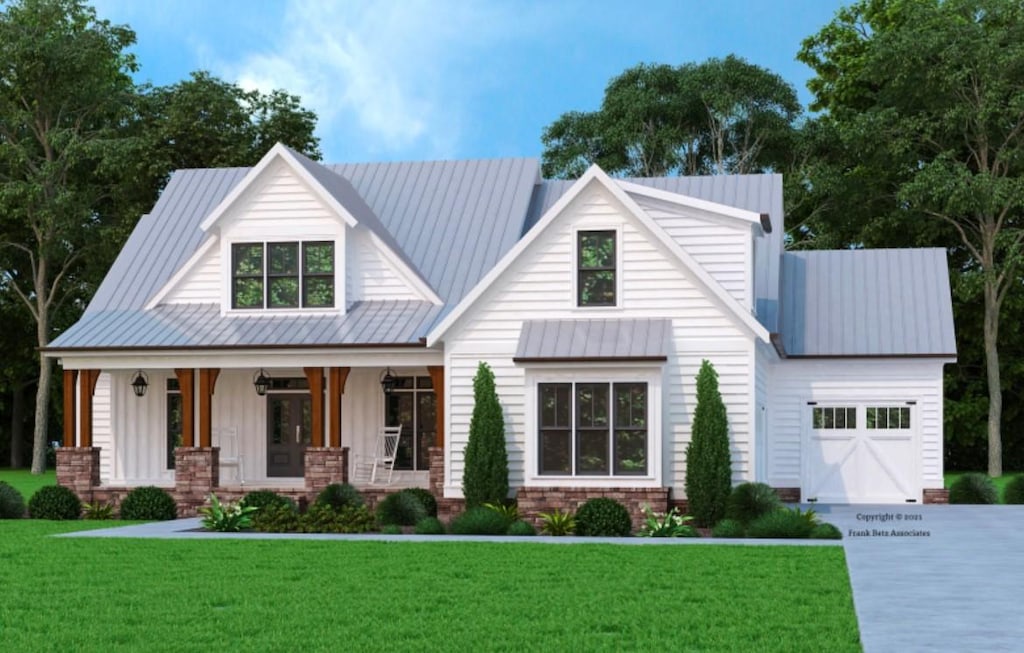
(235, 428)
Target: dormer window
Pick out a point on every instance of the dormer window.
(596, 266)
(282, 275)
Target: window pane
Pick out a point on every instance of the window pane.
(284, 258)
(318, 258)
(597, 249)
(281, 416)
(592, 405)
(905, 417)
(818, 415)
(173, 426)
(830, 415)
(630, 405)
(631, 452)
(592, 452)
(555, 452)
(554, 405)
(424, 382)
(840, 418)
(851, 418)
(597, 288)
(426, 427)
(248, 259)
(318, 292)
(284, 292)
(248, 293)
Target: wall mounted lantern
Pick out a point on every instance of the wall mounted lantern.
(140, 383)
(387, 382)
(262, 382)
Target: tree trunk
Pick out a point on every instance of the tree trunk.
(995, 388)
(17, 425)
(41, 428)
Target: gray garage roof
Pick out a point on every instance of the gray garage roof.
(880, 302)
(593, 340)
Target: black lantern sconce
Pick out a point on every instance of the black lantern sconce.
(140, 383)
(261, 380)
(387, 382)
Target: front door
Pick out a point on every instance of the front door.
(289, 429)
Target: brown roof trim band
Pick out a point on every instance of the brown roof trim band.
(592, 359)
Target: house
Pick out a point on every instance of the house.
(241, 337)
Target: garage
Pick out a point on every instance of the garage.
(861, 453)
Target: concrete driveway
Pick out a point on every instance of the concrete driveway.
(935, 578)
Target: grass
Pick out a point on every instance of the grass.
(25, 482)
(1000, 482)
(285, 595)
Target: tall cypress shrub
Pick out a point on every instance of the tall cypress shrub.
(485, 478)
(708, 467)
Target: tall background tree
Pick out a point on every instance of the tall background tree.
(924, 113)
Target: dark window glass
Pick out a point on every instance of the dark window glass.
(318, 274)
(596, 268)
(592, 428)
(555, 415)
(630, 434)
(414, 407)
(287, 283)
(173, 420)
(247, 275)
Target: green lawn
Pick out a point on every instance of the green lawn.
(307, 595)
(26, 482)
(1000, 482)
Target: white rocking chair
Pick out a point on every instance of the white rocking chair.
(381, 465)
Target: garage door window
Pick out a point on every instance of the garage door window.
(888, 417)
(835, 417)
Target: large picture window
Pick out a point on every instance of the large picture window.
(282, 275)
(592, 429)
(413, 404)
(595, 260)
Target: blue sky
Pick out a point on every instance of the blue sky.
(443, 79)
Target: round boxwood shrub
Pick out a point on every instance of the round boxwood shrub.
(391, 529)
(748, 501)
(973, 488)
(728, 528)
(401, 508)
(480, 521)
(521, 528)
(425, 497)
(1014, 491)
(340, 495)
(826, 531)
(12, 504)
(603, 517)
(54, 502)
(782, 524)
(264, 499)
(276, 518)
(148, 503)
(429, 526)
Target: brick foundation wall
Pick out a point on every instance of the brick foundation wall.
(534, 500)
(324, 466)
(78, 468)
(196, 475)
(788, 494)
(936, 495)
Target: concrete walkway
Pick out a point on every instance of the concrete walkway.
(935, 578)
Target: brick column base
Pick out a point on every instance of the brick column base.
(324, 466)
(196, 475)
(78, 468)
(436, 476)
(534, 500)
(936, 495)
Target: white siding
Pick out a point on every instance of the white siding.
(370, 274)
(539, 285)
(764, 356)
(795, 382)
(139, 432)
(725, 251)
(279, 202)
(102, 435)
(201, 285)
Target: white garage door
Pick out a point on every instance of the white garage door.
(861, 453)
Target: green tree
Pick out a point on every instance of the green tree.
(719, 116)
(929, 96)
(64, 87)
(708, 465)
(485, 477)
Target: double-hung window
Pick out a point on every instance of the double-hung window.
(592, 429)
(282, 275)
(596, 268)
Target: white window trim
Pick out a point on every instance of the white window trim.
(575, 267)
(651, 375)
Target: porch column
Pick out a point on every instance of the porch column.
(436, 373)
(315, 376)
(86, 390)
(207, 382)
(337, 376)
(70, 379)
(188, 401)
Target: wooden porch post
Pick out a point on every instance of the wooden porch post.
(436, 373)
(85, 392)
(188, 400)
(315, 376)
(70, 378)
(207, 382)
(337, 376)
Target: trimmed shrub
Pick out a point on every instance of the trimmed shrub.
(708, 465)
(479, 521)
(485, 479)
(321, 518)
(728, 528)
(54, 502)
(603, 517)
(401, 508)
(148, 503)
(973, 488)
(1014, 491)
(340, 495)
(826, 531)
(521, 528)
(784, 523)
(264, 499)
(429, 526)
(748, 501)
(391, 529)
(12, 504)
(425, 497)
(281, 518)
